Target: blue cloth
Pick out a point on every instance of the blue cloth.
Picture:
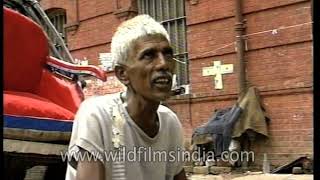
(36, 123)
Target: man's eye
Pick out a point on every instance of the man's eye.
(148, 55)
(169, 55)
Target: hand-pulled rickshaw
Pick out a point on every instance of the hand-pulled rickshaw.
(41, 91)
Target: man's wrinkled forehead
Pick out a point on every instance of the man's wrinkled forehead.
(155, 41)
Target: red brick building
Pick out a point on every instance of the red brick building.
(277, 56)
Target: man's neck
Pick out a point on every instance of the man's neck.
(143, 112)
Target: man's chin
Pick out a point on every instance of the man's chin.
(162, 96)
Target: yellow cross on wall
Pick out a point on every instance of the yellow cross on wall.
(217, 70)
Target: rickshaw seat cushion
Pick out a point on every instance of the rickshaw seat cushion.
(32, 105)
(25, 73)
(25, 52)
(60, 91)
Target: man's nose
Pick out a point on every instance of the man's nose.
(162, 62)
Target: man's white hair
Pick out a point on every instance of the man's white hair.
(131, 30)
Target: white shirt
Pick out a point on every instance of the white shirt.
(146, 158)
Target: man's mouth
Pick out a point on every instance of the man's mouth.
(162, 82)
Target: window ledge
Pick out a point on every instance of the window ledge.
(121, 13)
(71, 26)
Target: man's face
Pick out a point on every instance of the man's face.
(150, 67)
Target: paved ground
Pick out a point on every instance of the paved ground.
(36, 173)
(251, 177)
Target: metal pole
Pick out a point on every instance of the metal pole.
(239, 28)
(51, 45)
(312, 10)
(51, 27)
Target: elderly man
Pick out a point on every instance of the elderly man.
(130, 135)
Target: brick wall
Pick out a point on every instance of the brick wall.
(96, 87)
(278, 63)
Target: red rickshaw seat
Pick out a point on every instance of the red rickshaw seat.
(38, 104)
(26, 52)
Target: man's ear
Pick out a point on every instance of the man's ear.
(121, 74)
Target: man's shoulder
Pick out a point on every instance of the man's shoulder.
(170, 115)
(172, 125)
(101, 100)
(166, 110)
(98, 104)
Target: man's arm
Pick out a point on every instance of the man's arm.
(93, 170)
(180, 176)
